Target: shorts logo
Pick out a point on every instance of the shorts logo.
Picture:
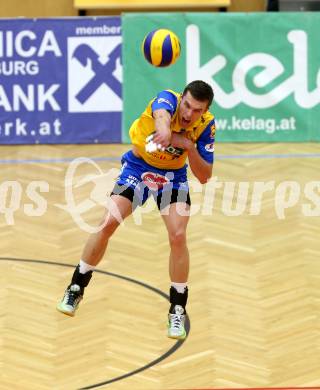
(122, 168)
(209, 148)
(94, 74)
(154, 181)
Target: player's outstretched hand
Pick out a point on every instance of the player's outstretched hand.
(152, 145)
(162, 137)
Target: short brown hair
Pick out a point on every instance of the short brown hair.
(200, 90)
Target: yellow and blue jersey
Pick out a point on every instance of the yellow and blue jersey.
(201, 132)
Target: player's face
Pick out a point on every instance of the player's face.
(190, 110)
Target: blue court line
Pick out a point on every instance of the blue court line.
(217, 157)
(266, 156)
(55, 160)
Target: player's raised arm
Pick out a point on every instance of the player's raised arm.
(162, 120)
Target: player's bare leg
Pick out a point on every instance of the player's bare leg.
(176, 222)
(93, 253)
(97, 242)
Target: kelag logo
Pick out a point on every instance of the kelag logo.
(266, 81)
(264, 69)
(94, 74)
(270, 69)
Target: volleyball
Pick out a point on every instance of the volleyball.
(161, 47)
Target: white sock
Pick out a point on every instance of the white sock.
(85, 267)
(180, 287)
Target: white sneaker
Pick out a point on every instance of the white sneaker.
(176, 322)
(70, 300)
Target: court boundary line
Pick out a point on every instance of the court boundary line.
(118, 158)
(154, 362)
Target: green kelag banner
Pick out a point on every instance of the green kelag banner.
(264, 69)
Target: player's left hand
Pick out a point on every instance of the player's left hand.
(162, 137)
(180, 141)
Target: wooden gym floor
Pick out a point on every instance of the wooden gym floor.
(254, 301)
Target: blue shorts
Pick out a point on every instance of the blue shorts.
(138, 180)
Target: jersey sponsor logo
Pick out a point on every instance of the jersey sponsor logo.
(162, 100)
(175, 152)
(209, 147)
(154, 181)
(212, 131)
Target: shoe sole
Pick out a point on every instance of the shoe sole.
(182, 337)
(68, 313)
(177, 337)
